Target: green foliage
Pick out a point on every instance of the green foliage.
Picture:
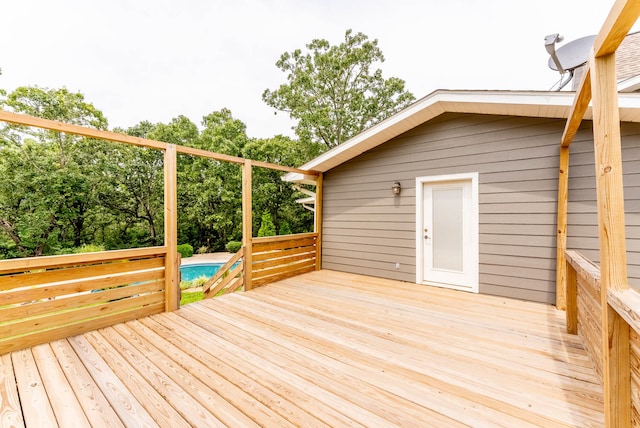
(202, 250)
(233, 246)
(194, 283)
(89, 248)
(334, 92)
(185, 250)
(267, 228)
(285, 229)
(187, 298)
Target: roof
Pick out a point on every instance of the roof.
(510, 103)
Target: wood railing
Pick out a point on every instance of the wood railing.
(228, 279)
(273, 258)
(279, 257)
(48, 298)
(587, 307)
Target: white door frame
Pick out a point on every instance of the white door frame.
(474, 262)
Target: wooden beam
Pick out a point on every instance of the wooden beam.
(622, 17)
(317, 226)
(247, 224)
(572, 299)
(561, 239)
(172, 268)
(611, 230)
(578, 109)
(25, 120)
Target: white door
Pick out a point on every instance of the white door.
(448, 233)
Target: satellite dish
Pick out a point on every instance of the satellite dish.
(568, 57)
(573, 54)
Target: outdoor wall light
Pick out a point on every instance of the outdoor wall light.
(396, 188)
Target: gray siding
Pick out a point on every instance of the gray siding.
(583, 219)
(367, 230)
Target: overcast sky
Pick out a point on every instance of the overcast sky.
(156, 59)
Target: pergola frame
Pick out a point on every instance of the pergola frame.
(599, 85)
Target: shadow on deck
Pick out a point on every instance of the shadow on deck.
(323, 348)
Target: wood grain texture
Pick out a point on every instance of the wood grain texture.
(334, 349)
(10, 411)
(562, 280)
(611, 230)
(247, 224)
(317, 220)
(172, 264)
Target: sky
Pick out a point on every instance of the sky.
(156, 59)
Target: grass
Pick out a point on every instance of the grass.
(190, 297)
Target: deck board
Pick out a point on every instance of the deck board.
(320, 349)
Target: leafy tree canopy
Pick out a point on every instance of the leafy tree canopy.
(335, 92)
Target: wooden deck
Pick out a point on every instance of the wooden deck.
(323, 348)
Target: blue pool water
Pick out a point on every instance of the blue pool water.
(191, 272)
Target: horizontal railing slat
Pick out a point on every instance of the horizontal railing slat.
(27, 279)
(279, 269)
(269, 255)
(281, 238)
(29, 325)
(283, 260)
(259, 248)
(66, 288)
(37, 338)
(283, 275)
(86, 298)
(49, 262)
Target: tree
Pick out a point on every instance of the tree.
(46, 193)
(267, 228)
(334, 91)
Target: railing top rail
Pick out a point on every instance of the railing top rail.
(29, 263)
(267, 239)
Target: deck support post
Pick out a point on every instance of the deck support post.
(172, 264)
(561, 240)
(611, 230)
(317, 226)
(247, 224)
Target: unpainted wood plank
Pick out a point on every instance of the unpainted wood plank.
(122, 400)
(36, 408)
(411, 376)
(10, 411)
(264, 372)
(317, 219)
(29, 278)
(62, 319)
(96, 407)
(237, 397)
(562, 281)
(80, 299)
(21, 342)
(65, 405)
(154, 403)
(196, 409)
(359, 388)
(247, 224)
(49, 262)
(172, 263)
(284, 399)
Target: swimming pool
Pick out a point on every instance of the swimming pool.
(191, 272)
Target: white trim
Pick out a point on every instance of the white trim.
(475, 222)
(511, 103)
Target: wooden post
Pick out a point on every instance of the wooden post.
(611, 229)
(247, 224)
(561, 240)
(317, 226)
(172, 267)
(572, 299)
